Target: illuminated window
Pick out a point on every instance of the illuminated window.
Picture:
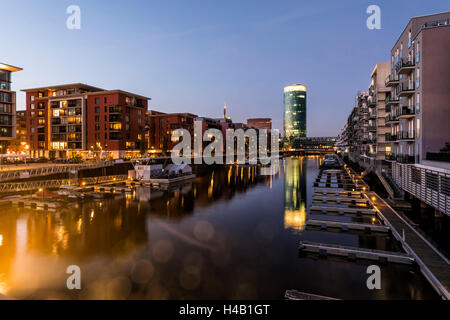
(115, 126)
(418, 128)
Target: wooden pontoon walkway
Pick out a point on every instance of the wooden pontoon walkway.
(342, 209)
(297, 295)
(338, 200)
(345, 226)
(353, 253)
(349, 194)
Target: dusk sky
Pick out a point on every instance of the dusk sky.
(192, 56)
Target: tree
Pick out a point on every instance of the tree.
(52, 154)
(164, 146)
(142, 147)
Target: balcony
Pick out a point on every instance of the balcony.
(391, 119)
(392, 80)
(5, 97)
(390, 137)
(5, 85)
(405, 66)
(405, 89)
(405, 135)
(392, 100)
(372, 101)
(372, 115)
(407, 112)
(406, 159)
(390, 157)
(441, 156)
(115, 109)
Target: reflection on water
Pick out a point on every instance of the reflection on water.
(295, 194)
(228, 234)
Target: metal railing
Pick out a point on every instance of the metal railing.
(429, 185)
(392, 78)
(57, 183)
(405, 135)
(49, 169)
(404, 64)
(390, 137)
(407, 111)
(405, 87)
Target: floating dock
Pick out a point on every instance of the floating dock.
(346, 226)
(342, 210)
(339, 200)
(35, 204)
(353, 253)
(297, 295)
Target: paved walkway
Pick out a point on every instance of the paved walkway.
(432, 261)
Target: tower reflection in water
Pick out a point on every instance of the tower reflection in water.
(295, 193)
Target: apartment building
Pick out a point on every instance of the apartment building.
(19, 143)
(416, 115)
(7, 106)
(419, 114)
(161, 126)
(378, 147)
(78, 120)
(260, 123)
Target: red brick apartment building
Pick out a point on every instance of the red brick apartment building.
(260, 123)
(78, 120)
(160, 127)
(7, 106)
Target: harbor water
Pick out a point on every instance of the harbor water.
(230, 234)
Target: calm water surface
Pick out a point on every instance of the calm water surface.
(229, 234)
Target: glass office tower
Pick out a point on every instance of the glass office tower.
(294, 113)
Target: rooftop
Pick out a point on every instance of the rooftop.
(65, 86)
(7, 67)
(295, 87)
(92, 90)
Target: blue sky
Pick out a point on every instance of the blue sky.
(194, 55)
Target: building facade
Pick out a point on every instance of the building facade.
(376, 116)
(419, 119)
(19, 143)
(415, 98)
(7, 106)
(420, 91)
(260, 123)
(78, 120)
(294, 113)
(161, 126)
